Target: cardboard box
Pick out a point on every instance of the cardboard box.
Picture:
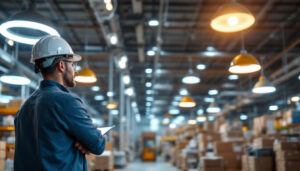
(245, 163)
(211, 162)
(10, 154)
(287, 165)
(260, 163)
(100, 162)
(16, 103)
(286, 146)
(235, 134)
(211, 169)
(2, 155)
(259, 143)
(209, 126)
(231, 161)
(2, 145)
(228, 147)
(288, 155)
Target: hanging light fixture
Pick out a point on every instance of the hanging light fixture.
(244, 63)
(213, 108)
(187, 102)
(14, 77)
(111, 105)
(232, 17)
(192, 122)
(201, 118)
(190, 78)
(24, 26)
(85, 75)
(263, 86)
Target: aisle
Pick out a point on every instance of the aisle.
(148, 166)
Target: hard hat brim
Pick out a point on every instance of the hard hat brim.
(76, 57)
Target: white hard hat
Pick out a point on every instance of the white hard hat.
(49, 46)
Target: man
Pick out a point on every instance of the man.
(53, 130)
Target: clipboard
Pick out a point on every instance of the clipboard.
(105, 130)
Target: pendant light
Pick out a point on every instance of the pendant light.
(263, 86)
(232, 17)
(85, 75)
(190, 78)
(187, 102)
(244, 63)
(27, 26)
(111, 105)
(213, 108)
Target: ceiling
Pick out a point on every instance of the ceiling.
(182, 39)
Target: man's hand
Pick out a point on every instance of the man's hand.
(80, 147)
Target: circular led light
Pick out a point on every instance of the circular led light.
(190, 79)
(263, 90)
(16, 80)
(4, 30)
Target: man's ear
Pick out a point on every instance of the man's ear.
(60, 66)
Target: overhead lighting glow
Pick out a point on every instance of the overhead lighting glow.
(243, 117)
(174, 111)
(10, 42)
(191, 79)
(148, 84)
(5, 98)
(175, 103)
(123, 62)
(233, 77)
(211, 53)
(244, 64)
(129, 91)
(273, 107)
(187, 102)
(113, 39)
(232, 21)
(110, 94)
(200, 111)
(148, 71)
(172, 126)
(138, 117)
(210, 48)
(99, 97)
(211, 118)
(126, 79)
(148, 104)
(201, 67)
(213, 108)
(192, 122)
(9, 25)
(201, 118)
(209, 99)
(95, 88)
(165, 121)
(213, 92)
(299, 77)
(134, 104)
(263, 86)
(15, 80)
(78, 68)
(149, 99)
(111, 105)
(109, 7)
(183, 92)
(149, 92)
(295, 99)
(114, 112)
(153, 23)
(150, 52)
(85, 75)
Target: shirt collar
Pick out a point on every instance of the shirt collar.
(51, 83)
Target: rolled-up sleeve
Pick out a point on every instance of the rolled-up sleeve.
(80, 125)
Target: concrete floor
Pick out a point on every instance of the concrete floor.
(150, 166)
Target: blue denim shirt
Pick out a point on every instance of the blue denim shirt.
(47, 126)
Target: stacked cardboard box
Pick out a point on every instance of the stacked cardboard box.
(206, 139)
(263, 125)
(211, 164)
(260, 163)
(231, 154)
(287, 155)
(2, 154)
(105, 161)
(261, 142)
(233, 136)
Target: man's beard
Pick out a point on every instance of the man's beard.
(68, 78)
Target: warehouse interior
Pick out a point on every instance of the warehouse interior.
(171, 76)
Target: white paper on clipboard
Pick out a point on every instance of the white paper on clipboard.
(104, 130)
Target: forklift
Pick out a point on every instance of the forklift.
(148, 142)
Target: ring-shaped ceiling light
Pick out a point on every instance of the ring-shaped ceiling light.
(31, 40)
(27, 26)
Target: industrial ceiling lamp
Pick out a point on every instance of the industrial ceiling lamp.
(213, 108)
(27, 26)
(111, 105)
(187, 102)
(232, 17)
(190, 78)
(86, 75)
(244, 63)
(14, 77)
(263, 86)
